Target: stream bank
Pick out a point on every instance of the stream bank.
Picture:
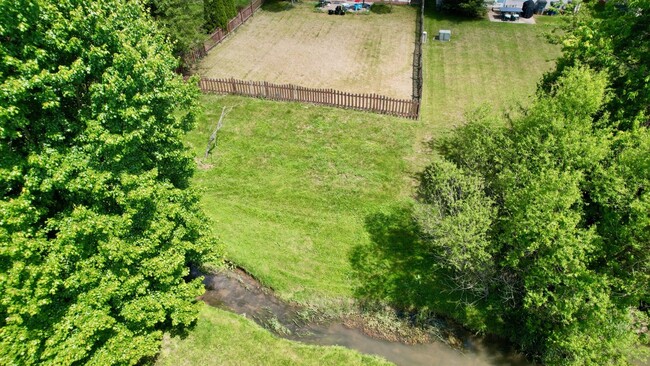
(238, 292)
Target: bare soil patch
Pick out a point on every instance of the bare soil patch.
(365, 53)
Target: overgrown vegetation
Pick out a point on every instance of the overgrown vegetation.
(217, 13)
(544, 261)
(97, 223)
(466, 8)
(381, 8)
(537, 227)
(187, 23)
(181, 20)
(614, 39)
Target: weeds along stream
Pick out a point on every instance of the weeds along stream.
(238, 292)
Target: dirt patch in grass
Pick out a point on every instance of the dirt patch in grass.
(367, 53)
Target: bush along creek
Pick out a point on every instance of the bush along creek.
(400, 337)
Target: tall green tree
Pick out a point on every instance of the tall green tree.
(613, 37)
(621, 202)
(217, 13)
(455, 215)
(567, 245)
(182, 21)
(97, 225)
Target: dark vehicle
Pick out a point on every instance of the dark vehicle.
(337, 11)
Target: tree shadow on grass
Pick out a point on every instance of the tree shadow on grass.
(399, 268)
(395, 266)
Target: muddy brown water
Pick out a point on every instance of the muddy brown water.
(238, 292)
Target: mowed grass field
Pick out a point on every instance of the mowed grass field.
(498, 64)
(289, 186)
(371, 53)
(486, 63)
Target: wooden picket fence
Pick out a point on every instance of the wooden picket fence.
(220, 34)
(334, 98)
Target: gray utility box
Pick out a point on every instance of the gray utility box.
(444, 35)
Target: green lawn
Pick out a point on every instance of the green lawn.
(223, 338)
(290, 185)
(486, 63)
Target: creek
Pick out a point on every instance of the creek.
(238, 292)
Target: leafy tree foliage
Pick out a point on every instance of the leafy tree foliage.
(455, 215)
(622, 204)
(467, 8)
(97, 226)
(614, 38)
(181, 20)
(217, 13)
(557, 218)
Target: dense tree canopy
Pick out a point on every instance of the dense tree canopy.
(181, 20)
(217, 13)
(553, 215)
(97, 226)
(613, 37)
(565, 254)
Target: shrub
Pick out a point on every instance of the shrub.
(381, 8)
(217, 13)
(277, 6)
(467, 8)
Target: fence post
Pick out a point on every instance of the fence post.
(233, 89)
